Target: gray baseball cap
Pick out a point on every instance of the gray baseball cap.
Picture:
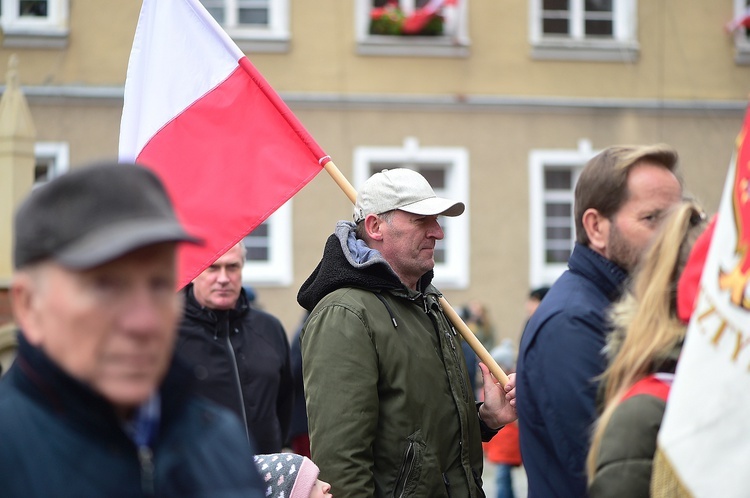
(403, 189)
(93, 215)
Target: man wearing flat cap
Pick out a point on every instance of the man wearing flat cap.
(389, 401)
(94, 404)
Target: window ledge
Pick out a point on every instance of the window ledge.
(35, 38)
(261, 45)
(742, 54)
(419, 46)
(575, 50)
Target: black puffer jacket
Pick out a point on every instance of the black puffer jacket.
(240, 359)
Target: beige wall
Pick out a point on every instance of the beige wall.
(685, 56)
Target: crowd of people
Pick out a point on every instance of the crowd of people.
(124, 387)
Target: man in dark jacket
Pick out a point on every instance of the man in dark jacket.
(620, 200)
(94, 404)
(239, 355)
(390, 407)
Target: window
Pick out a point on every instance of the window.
(380, 28)
(601, 30)
(552, 178)
(255, 25)
(447, 170)
(742, 32)
(52, 160)
(269, 246)
(34, 23)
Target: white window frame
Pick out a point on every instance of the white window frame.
(277, 270)
(274, 37)
(57, 153)
(623, 47)
(741, 40)
(454, 273)
(449, 45)
(35, 32)
(541, 272)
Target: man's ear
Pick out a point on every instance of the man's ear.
(373, 225)
(597, 229)
(23, 306)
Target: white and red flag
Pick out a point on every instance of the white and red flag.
(704, 434)
(740, 21)
(198, 113)
(416, 22)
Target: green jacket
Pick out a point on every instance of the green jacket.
(390, 409)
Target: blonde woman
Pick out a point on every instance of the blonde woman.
(643, 351)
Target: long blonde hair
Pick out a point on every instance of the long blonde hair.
(646, 315)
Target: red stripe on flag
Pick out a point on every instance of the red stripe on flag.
(228, 162)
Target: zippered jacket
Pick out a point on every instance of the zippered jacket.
(59, 438)
(240, 359)
(390, 408)
(626, 453)
(560, 358)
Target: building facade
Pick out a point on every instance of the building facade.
(498, 104)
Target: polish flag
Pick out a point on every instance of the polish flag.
(198, 113)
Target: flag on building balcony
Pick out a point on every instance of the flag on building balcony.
(197, 112)
(703, 438)
(741, 21)
(417, 21)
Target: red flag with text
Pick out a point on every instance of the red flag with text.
(703, 437)
(198, 113)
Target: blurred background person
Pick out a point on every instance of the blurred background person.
(503, 450)
(239, 354)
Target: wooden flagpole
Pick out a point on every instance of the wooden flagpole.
(455, 319)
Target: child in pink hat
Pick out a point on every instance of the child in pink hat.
(288, 475)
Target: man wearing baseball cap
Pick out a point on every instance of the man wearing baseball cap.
(94, 404)
(389, 401)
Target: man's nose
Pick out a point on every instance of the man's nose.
(223, 275)
(435, 231)
(142, 314)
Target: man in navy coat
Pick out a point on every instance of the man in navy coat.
(620, 199)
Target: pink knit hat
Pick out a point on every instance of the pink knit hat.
(287, 475)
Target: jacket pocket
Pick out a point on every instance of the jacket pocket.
(411, 467)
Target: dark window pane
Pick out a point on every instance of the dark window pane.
(379, 3)
(558, 233)
(557, 255)
(600, 28)
(439, 256)
(558, 179)
(378, 167)
(599, 5)
(555, 26)
(40, 173)
(33, 8)
(217, 13)
(257, 254)
(254, 16)
(555, 5)
(422, 3)
(260, 231)
(558, 209)
(435, 176)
